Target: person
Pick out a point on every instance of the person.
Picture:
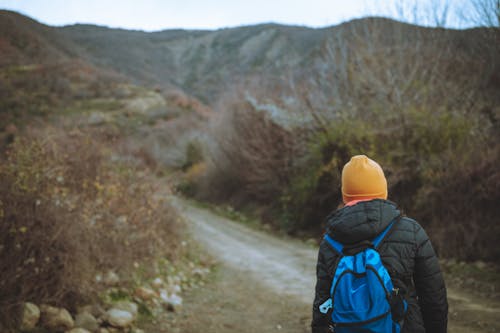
(406, 251)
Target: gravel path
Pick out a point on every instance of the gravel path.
(263, 277)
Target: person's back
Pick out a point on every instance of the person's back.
(406, 251)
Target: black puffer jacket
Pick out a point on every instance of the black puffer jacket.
(407, 254)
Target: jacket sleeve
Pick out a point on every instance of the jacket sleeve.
(429, 284)
(320, 322)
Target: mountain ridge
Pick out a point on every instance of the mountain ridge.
(205, 63)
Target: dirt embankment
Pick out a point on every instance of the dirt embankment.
(265, 284)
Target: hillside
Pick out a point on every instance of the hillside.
(24, 41)
(203, 63)
(41, 70)
(206, 63)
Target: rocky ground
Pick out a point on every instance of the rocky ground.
(261, 283)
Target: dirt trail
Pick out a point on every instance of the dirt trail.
(266, 284)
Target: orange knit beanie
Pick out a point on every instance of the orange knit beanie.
(363, 178)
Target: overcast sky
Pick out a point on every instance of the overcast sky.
(153, 15)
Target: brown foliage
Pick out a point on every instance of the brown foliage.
(67, 212)
(461, 208)
(251, 155)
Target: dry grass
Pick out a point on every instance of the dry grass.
(67, 212)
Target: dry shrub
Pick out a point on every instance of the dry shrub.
(167, 142)
(461, 208)
(250, 157)
(68, 212)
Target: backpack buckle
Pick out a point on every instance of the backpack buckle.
(326, 306)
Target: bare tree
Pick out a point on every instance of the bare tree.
(484, 13)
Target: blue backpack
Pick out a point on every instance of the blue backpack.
(362, 297)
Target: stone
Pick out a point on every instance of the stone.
(145, 293)
(137, 330)
(87, 321)
(111, 279)
(130, 307)
(31, 315)
(158, 283)
(55, 319)
(95, 310)
(119, 318)
(172, 302)
(78, 330)
(172, 289)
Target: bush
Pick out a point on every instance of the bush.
(437, 169)
(66, 213)
(460, 206)
(250, 157)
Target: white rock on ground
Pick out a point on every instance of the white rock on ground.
(173, 301)
(56, 319)
(158, 283)
(119, 318)
(176, 289)
(31, 315)
(130, 307)
(87, 321)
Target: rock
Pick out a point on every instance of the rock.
(121, 221)
(55, 319)
(87, 321)
(145, 293)
(119, 318)
(103, 330)
(78, 330)
(95, 310)
(173, 302)
(111, 279)
(31, 315)
(173, 289)
(137, 330)
(158, 283)
(130, 307)
(115, 330)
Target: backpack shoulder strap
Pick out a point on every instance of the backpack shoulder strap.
(382, 236)
(337, 246)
